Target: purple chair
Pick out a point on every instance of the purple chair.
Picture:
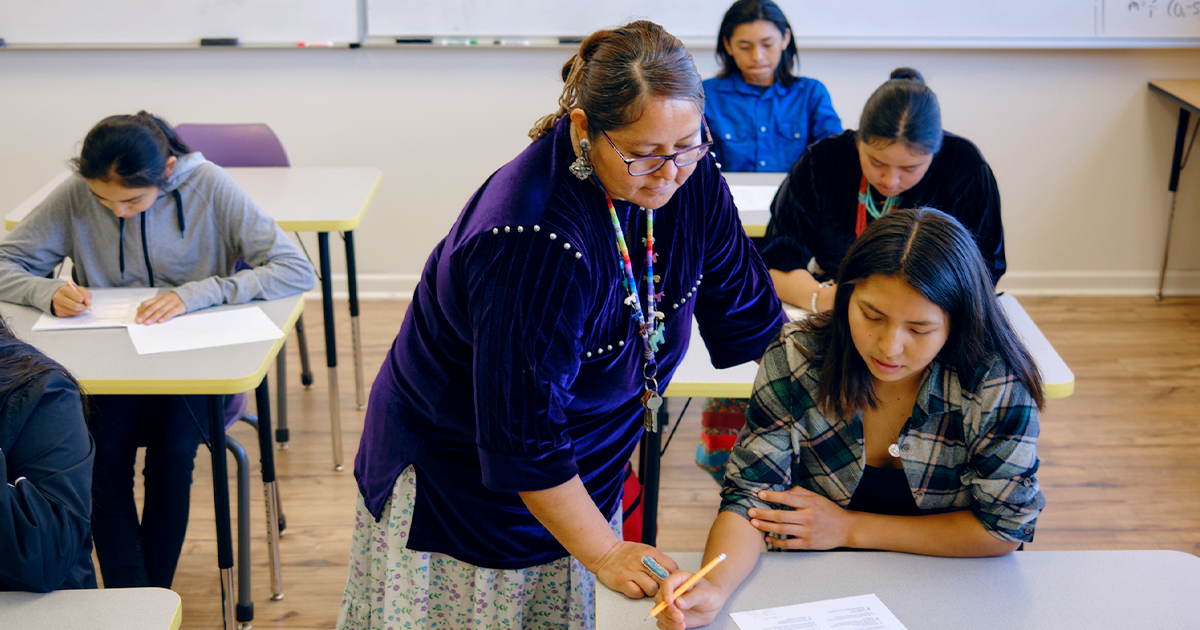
(253, 145)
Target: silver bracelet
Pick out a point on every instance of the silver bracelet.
(813, 304)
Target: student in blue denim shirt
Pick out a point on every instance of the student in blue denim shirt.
(904, 419)
(761, 116)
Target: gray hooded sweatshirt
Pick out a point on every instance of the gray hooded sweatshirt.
(190, 246)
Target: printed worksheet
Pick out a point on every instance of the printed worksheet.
(111, 308)
(863, 612)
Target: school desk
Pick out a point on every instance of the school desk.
(1185, 94)
(696, 377)
(1030, 590)
(752, 193)
(300, 199)
(96, 609)
(105, 362)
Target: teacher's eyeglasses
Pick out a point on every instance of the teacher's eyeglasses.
(640, 166)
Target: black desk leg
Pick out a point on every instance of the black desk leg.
(220, 472)
(262, 399)
(355, 334)
(1176, 162)
(281, 428)
(650, 469)
(306, 375)
(335, 417)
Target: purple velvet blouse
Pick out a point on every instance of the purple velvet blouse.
(518, 365)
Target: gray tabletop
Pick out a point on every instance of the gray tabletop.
(99, 609)
(1027, 590)
(105, 361)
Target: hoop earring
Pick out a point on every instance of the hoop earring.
(582, 167)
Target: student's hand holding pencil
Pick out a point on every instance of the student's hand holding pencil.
(687, 600)
(70, 300)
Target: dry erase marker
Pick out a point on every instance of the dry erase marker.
(456, 41)
(315, 45)
(654, 568)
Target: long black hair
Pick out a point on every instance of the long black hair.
(129, 150)
(21, 363)
(745, 12)
(937, 256)
(903, 109)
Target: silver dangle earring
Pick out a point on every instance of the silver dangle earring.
(582, 167)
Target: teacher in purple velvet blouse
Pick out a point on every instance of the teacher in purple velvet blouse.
(496, 432)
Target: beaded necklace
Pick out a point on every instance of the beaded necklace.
(650, 329)
(866, 206)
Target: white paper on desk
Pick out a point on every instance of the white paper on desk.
(752, 197)
(111, 308)
(205, 330)
(863, 612)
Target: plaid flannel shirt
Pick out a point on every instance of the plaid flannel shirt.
(971, 442)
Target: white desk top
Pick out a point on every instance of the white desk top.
(304, 199)
(1029, 590)
(696, 377)
(752, 194)
(105, 361)
(97, 609)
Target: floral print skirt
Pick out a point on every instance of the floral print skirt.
(391, 587)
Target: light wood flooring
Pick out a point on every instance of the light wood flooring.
(1120, 458)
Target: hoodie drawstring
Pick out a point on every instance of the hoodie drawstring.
(178, 208)
(121, 245)
(146, 251)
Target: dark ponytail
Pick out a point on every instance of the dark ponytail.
(903, 110)
(21, 363)
(131, 150)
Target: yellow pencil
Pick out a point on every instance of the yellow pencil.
(683, 588)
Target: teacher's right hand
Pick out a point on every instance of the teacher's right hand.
(70, 301)
(697, 607)
(621, 569)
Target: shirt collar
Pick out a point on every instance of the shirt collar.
(736, 83)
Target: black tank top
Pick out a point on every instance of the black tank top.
(884, 491)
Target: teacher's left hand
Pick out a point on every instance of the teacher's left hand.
(814, 522)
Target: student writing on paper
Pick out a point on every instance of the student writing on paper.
(143, 211)
(546, 324)
(762, 116)
(899, 157)
(46, 457)
(903, 419)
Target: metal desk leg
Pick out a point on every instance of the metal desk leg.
(281, 428)
(306, 377)
(216, 432)
(1180, 138)
(355, 334)
(335, 418)
(650, 468)
(262, 398)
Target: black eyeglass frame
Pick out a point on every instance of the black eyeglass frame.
(629, 162)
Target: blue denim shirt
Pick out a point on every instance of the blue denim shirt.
(766, 131)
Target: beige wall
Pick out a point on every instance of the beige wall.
(1080, 147)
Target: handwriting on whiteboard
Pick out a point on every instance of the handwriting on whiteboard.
(1165, 9)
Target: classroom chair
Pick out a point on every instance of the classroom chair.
(235, 411)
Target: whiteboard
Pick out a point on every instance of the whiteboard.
(177, 22)
(871, 23)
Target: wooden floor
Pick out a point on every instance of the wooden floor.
(1120, 459)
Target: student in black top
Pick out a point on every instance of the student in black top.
(46, 455)
(899, 157)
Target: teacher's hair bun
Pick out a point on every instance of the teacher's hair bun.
(907, 73)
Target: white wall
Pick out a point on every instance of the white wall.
(1080, 147)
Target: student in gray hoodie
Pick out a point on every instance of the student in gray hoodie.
(144, 211)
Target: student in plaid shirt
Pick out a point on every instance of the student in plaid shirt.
(905, 419)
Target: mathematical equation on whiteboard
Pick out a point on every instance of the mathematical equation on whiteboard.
(1165, 8)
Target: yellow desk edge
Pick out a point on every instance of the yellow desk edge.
(345, 225)
(753, 231)
(178, 619)
(200, 386)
